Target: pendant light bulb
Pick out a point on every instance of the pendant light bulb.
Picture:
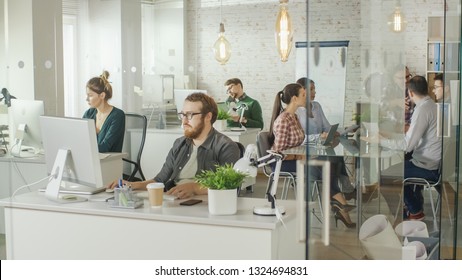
(222, 48)
(397, 23)
(284, 32)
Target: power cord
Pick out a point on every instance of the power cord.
(31, 184)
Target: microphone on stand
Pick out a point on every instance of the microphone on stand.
(241, 107)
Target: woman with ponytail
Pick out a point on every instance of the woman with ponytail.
(109, 120)
(286, 132)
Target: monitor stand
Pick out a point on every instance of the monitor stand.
(54, 185)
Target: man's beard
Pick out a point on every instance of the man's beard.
(193, 133)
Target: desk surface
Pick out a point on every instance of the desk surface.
(171, 210)
(179, 130)
(33, 159)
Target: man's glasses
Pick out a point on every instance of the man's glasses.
(435, 87)
(188, 115)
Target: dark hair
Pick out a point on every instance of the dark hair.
(234, 81)
(305, 82)
(439, 77)
(208, 104)
(101, 84)
(284, 96)
(418, 85)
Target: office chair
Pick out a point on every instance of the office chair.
(449, 157)
(289, 178)
(135, 136)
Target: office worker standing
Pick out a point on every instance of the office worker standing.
(287, 132)
(109, 120)
(253, 116)
(201, 148)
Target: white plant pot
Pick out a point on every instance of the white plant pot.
(220, 125)
(222, 202)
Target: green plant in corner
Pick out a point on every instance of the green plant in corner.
(223, 115)
(223, 178)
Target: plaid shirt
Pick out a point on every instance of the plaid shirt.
(287, 132)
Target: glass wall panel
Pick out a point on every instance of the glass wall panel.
(392, 48)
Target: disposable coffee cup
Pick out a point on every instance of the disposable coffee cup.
(155, 194)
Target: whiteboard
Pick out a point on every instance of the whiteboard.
(328, 70)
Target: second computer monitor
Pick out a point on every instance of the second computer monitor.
(25, 135)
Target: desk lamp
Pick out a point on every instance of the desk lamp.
(249, 164)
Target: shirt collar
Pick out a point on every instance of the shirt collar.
(423, 100)
(242, 97)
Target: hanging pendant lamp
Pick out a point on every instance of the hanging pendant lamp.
(222, 47)
(284, 32)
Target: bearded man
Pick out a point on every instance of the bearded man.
(201, 148)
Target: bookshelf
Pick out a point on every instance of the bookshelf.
(443, 51)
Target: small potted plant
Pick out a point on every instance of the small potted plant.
(222, 184)
(221, 123)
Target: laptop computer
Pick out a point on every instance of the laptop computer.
(330, 135)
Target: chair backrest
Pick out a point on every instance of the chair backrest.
(241, 149)
(134, 138)
(262, 146)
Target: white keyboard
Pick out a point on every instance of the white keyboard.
(144, 194)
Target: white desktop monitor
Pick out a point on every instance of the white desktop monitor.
(24, 126)
(71, 155)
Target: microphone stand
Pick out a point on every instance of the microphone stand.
(242, 107)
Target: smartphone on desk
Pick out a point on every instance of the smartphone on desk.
(191, 202)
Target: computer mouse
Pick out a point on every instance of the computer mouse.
(69, 197)
(109, 190)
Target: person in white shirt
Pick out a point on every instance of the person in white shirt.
(422, 139)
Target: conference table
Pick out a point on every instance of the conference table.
(342, 147)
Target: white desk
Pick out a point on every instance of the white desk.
(40, 229)
(159, 141)
(16, 172)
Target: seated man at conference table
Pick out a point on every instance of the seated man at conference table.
(423, 140)
(201, 148)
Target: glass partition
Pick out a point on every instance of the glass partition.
(373, 202)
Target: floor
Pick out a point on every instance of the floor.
(344, 243)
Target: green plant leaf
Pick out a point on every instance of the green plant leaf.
(223, 178)
(223, 115)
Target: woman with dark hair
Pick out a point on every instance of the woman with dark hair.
(109, 120)
(286, 132)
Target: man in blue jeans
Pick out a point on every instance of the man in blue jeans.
(422, 139)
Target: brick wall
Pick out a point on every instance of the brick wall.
(250, 29)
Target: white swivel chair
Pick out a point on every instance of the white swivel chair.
(447, 170)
